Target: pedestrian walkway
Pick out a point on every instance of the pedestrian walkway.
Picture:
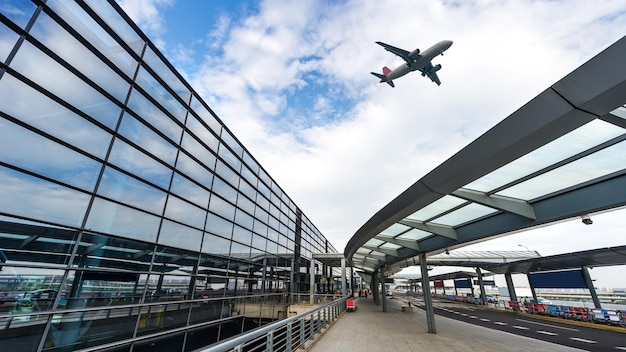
(371, 329)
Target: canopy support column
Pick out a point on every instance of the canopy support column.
(383, 289)
(592, 289)
(511, 287)
(344, 291)
(312, 281)
(428, 300)
(481, 284)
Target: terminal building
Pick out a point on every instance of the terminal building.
(131, 218)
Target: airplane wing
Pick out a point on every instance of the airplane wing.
(400, 52)
(431, 71)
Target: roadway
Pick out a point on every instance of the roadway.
(585, 336)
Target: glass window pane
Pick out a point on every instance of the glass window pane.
(140, 164)
(119, 220)
(215, 245)
(156, 91)
(52, 35)
(227, 174)
(187, 213)
(191, 145)
(219, 226)
(119, 323)
(206, 116)
(141, 135)
(469, 212)
(35, 245)
(190, 191)
(118, 24)
(166, 74)
(154, 116)
(229, 158)
(229, 140)
(8, 38)
(222, 208)
(31, 197)
(18, 11)
(33, 152)
(195, 171)
(39, 111)
(180, 236)
(102, 251)
(46, 72)
(121, 187)
(76, 17)
(202, 133)
(224, 190)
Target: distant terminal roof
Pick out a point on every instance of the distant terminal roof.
(591, 258)
(560, 156)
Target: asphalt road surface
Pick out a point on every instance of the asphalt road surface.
(562, 333)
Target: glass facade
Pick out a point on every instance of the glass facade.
(131, 219)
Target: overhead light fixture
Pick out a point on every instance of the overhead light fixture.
(586, 219)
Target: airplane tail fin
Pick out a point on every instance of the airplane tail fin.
(383, 77)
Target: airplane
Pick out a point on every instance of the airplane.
(414, 61)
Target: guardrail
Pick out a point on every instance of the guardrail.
(288, 334)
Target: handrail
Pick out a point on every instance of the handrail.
(330, 310)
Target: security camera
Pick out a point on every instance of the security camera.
(587, 220)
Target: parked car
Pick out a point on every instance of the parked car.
(36, 297)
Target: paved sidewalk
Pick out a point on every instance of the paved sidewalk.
(369, 329)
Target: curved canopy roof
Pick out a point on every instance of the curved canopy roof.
(559, 156)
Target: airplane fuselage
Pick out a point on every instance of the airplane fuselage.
(425, 57)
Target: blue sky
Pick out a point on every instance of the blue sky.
(291, 80)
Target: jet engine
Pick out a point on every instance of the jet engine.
(414, 54)
(436, 67)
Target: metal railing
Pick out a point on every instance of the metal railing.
(289, 334)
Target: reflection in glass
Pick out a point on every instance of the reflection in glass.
(202, 133)
(69, 330)
(194, 170)
(134, 161)
(154, 116)
(117, 24)
(144, 137)
(222, 208)
(76, 17)
(39, 111)
(8, 39)
(40, 68)
(198, 151)
(52, 35)
(185, 212)
(190, 191)
(34, 245)
(158, 66)
(126, 189)
(103, 251)
(219, 226)
(18, 11)
(206, 116)
(180, 236)
(109, 217)
(35, 153)
(156, 91)
(31, 197)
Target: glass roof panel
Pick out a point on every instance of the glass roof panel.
(437, 207)
(620, 112)
(601, 163)
(415, 235)
(395, 229)
(388, 245)
(363, 251)
(579, 140)
(374, 242)
(465, 214)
